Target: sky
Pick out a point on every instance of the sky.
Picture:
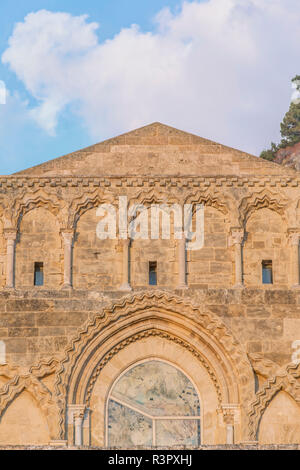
(76, 73)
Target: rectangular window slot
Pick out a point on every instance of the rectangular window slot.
(152, 273)
(38, 274)
(267, 272)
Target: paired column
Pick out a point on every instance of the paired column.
(125, 265)
(294, 242)
(10, 236)
(67, 236)
(181, 256)
(236, 239)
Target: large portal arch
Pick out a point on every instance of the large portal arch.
(117, 338)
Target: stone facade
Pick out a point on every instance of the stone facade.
(210, 324)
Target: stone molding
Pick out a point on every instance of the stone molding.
(67, 206)
(264, 199)
(139, 302)
(38, 391)
(21, 181)
(262, 366)
(147, 334)
(286, 379)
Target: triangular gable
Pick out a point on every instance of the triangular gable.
(157, 150)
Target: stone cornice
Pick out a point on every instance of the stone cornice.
(203, 182)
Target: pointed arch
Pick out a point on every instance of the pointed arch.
(153, 313)
(10, 391)
(264, 199)
(287, 380)
(87, 201)
(154, 196)
(34, 200)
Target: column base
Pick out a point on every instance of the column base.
(125, 287)
(182, 286)
(67, 287)
(295, 286)
(239, 286)
(58, 443)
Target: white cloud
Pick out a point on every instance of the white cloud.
(221, 69)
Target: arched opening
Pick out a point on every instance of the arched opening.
(39, 242)
(153, 403)
(155, 326)
(212, 264)
(266, 244)
(280, 423)
(153, 243)
(96, 262)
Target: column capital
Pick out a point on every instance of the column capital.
(236, 236)
(67, 235)
(293, 236)
(10, 234)
(76, 411)
(230, 413)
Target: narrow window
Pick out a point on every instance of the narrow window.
(152, 273)
(267, 272)
(38, 274)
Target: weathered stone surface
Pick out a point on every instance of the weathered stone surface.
(64, 345)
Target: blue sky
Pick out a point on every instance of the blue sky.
(217, 68)
(33, 145)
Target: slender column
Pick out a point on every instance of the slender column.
(181, 255)
(125, 265)
(76, 415)
(229, 434)
(294, 241)
(10, 236)
(231, 416)
(78, 420)
(67, 236)
(236, 239)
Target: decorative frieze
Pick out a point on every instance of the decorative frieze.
(131, 181)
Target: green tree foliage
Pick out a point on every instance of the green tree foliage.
(289, 128)
(270, 153)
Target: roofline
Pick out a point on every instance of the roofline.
(225, 147)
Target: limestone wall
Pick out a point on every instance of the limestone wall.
(58, 337)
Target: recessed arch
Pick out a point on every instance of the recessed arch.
(154, 313)
(38, 241)
(39, 393)
(285, 380)
(260, 200)
(85, 202)
(34, 200)
(149, 348)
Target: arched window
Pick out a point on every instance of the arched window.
(153, 404)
